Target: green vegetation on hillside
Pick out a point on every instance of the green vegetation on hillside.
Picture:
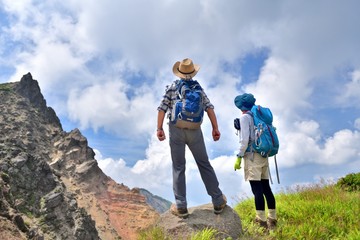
(350, 182)
(319, 211)
(5, 87)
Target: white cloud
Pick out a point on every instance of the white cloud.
(284, 87)
(300, 147)
(98, 105)
(108, 106)
(344, 146)
(308, 128)
(357, 124)
(351, 93)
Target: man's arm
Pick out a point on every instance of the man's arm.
(160, 120)
(212, 116)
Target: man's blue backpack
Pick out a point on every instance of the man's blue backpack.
(188, 109)
(266, 140)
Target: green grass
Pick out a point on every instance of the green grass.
(313, 212)
(207, 233)
(319, 211)
(157, 233)
(154, 233)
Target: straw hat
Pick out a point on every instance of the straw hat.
(185, 69)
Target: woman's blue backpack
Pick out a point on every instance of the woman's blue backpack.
(266, 140)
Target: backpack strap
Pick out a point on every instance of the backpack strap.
(250, 113)
(179, 85)
(193, 84)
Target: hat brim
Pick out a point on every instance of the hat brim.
(185, 76)
(244, 102)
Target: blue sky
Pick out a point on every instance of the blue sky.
(103, 66)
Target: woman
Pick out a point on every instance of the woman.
(256, 167)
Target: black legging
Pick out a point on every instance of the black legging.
(261, 189)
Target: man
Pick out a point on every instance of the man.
(180, 136)
(256, 167)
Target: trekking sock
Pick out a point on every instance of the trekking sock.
(260, 214)
(272, 214)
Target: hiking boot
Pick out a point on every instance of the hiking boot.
(261, 223)
(180, 212)
(218, 209)
(271, 223)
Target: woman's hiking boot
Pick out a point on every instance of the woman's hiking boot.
(179, 212)
(271, 223)
(218, 209)
(260, 223)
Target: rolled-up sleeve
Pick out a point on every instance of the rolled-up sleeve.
(168, 98)
(206, 101)
(165, 102)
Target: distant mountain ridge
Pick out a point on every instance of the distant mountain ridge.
(50, 184)
(159, 203)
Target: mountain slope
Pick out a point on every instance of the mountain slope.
(50, 183)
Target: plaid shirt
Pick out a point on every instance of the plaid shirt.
(171, 95)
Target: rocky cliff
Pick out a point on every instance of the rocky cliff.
(50, 184)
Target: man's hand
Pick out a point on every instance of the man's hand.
(237, 165)
(160, 134)
(212, 117)
(216, 134)
(160, 131)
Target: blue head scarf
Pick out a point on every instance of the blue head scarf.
(245, 101)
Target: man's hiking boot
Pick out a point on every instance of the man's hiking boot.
(271, 223)
(180, 212)
(218, 209)
(261, 223)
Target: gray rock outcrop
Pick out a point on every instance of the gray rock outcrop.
(33, 199)
(227, 224)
